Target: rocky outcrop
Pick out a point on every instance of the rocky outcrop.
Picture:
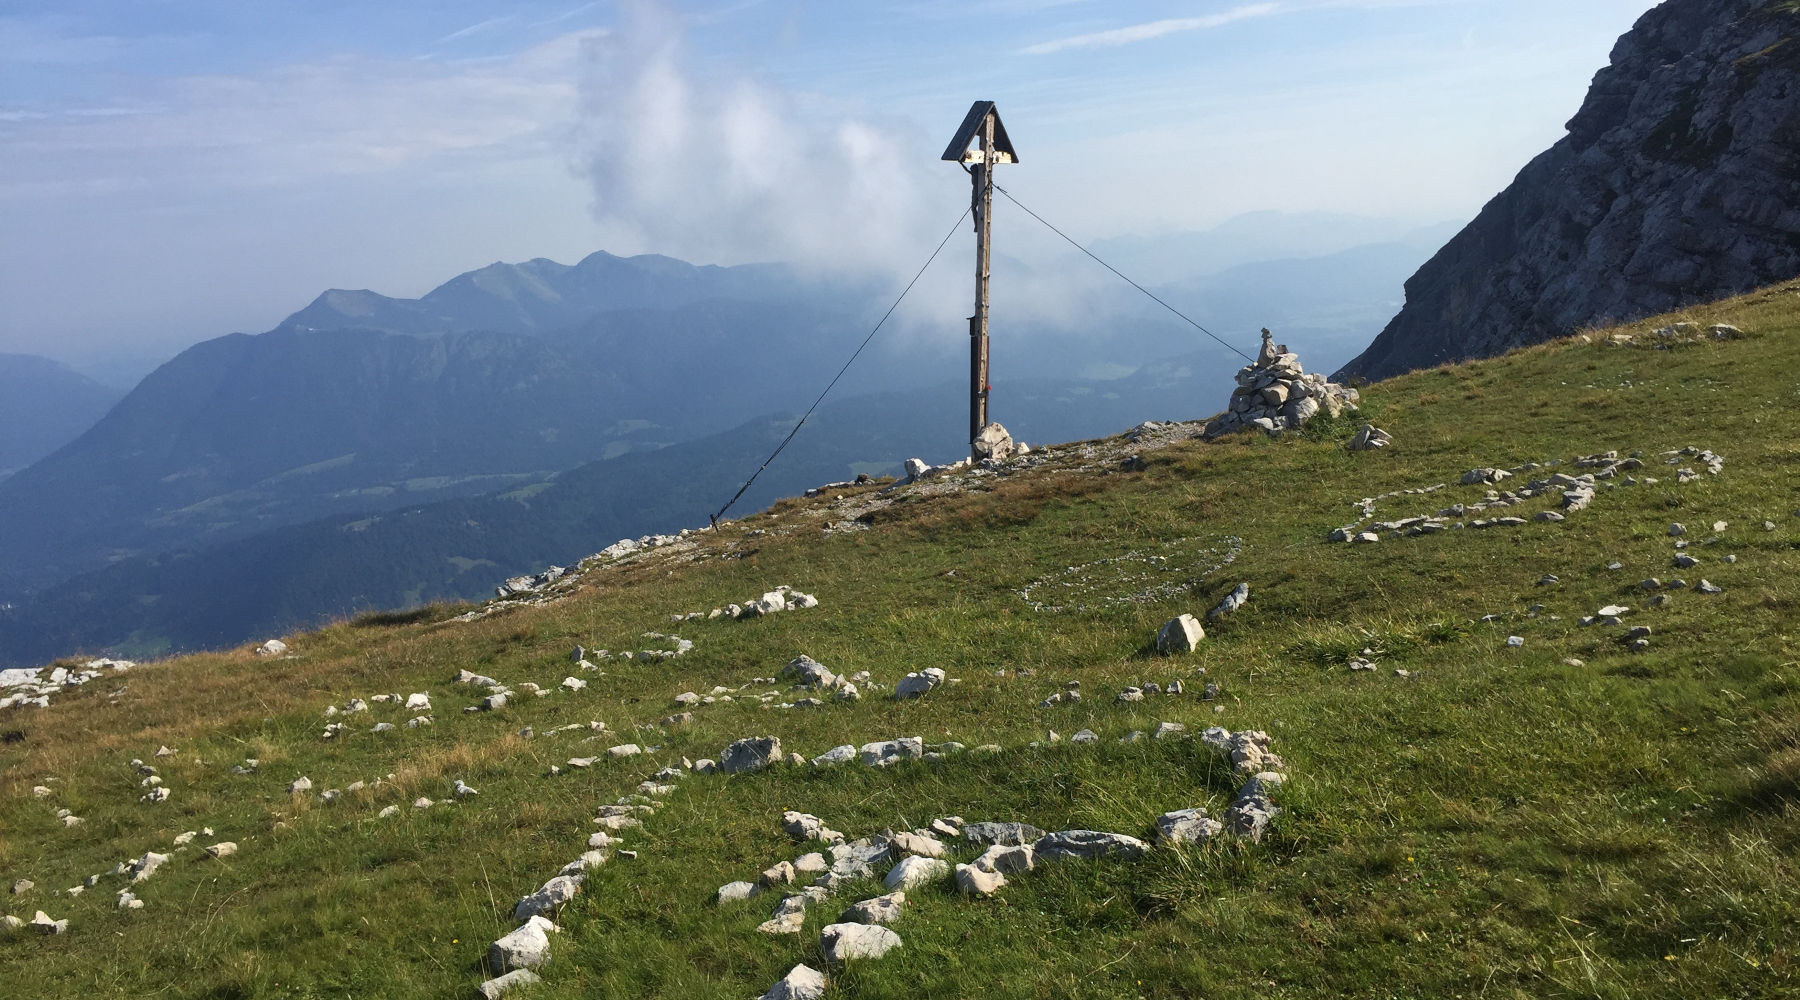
(1678, 183)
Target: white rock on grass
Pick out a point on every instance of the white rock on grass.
(387, 812)
(222, 849)
(300, 784)
(418, 701)
(463, 791)
(903, 844)
(916, 684)
(886, 752)
(548, 899)
(916, 871)
(732, 892)
(1180, 635)
(1006, 859)
(806, 826)
(1088, 845)
(42, 922)
(1232, 601)
(836, 755)
(1189, 826)
(147, 865)
(973, 881)
(844, 942)
(750, 754)
(274, 647)
(528, 947)
(875, 910)
(494, 988)
(802, 982)
(625, 750)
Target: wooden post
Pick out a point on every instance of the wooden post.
(980, 145)
(983, 177)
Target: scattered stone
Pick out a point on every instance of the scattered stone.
(23, 886)
(1708, 587)
(1370, 437)
(836, 755)
(222, 849)
(1165, 730)
(494, 988)
(843, 942)
(1002, 834)
(750, 754)
(886, 752)
(1191, 826)
(801, 983)
(300, 784)
(528, 947)
(44, 925)
(625, 750)
(914, 871)
(387, 812)
(1088, 844)
(274, 647)
(973, 881)
(915, 684)
(732, 892)
(877, 910)
(903, 844)
(781, 873)
(811, 672)
(1515, 641)
(805, 826)
(1181, 635)
(549, 898)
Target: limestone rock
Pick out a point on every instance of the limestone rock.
(42, 922)
(750, 754)
(915, 871)
(528, 947)
(802, 982)
(875, 910)
(1088, 845)
(1002, 834)
(886, 752)
(843, 942)
(274, 647)
(915, 684)
(1180, 635)
(1369, 437)
(732, 892)
(548, 899)
(222, 849)
(973, 881)
(1233, 601)
(993, 442)
(494, 988)
(1190, 826)
(811, 672)
(1007, 859)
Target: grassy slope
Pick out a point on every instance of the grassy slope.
(1503, 825)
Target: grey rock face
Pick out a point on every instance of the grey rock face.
(549, 898)
(888, 751)
(1190, 826)
(1678, 182)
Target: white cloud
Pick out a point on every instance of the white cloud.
(1151, 29)
(710, 165)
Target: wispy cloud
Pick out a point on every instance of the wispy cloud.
(1151, 29)
(474, 29)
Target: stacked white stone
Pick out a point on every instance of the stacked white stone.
(1276, 394)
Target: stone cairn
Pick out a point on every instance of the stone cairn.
(1275, 394)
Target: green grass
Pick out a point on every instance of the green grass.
(1504, 824)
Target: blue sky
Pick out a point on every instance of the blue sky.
(172, 171)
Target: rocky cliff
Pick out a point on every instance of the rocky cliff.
(1679, 182)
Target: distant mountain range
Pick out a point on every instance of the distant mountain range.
(43, 406)
(372, 452)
